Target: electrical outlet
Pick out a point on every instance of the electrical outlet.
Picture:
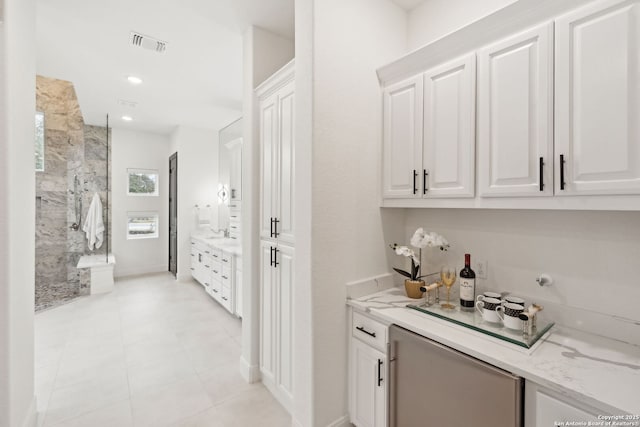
(482, 268)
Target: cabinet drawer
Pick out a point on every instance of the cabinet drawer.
(225, 297)
(225, 276)
(369, 331)
(226, 258)
(216, 270)
(216, 254)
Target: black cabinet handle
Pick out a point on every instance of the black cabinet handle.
(215, 256)
(271, 256)
(362, 329)
(415, 175)
(206, 252)
(425, 174)
(199, 257)
(225, 277)
(215, 290)
(541, 174)
(275, 257)
(271, 228)
(225, 298)
(562, 171)
(207, 266)
(215, 271)
(379, 372)
(193, 269)
(275, 227)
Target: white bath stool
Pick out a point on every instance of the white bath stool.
(95, 270)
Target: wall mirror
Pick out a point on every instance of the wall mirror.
(230, 170)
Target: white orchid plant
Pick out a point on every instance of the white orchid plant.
(421, 239)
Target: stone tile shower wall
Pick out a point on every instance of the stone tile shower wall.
(71, 148)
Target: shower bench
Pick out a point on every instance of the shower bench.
(96, 274)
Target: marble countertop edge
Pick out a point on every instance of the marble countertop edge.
(597, 371)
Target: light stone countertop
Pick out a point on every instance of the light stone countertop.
(597, 371)
(228, 245)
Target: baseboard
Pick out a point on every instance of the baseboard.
(137, 271)
(184, 277)
(31, 418)
(340, 422)
(250, 373)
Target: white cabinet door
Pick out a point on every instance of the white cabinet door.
(284, 213)
(268, 313)
(597, 99)
(402, 139)
(269, 163)
(515, 115)
(449, 129)
(544, 408)
(368, 378)
(284, 266)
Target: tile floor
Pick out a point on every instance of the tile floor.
(152, 353)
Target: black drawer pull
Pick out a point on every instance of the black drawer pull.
(215, 256)
(192, 269)
(425, 174)
(541, 174)
(362, 329)
(225, 298)
(207, 266)
(215, 290)
(415, 176)
(379, 372)
(225, 277)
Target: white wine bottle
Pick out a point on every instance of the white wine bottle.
(467, 285)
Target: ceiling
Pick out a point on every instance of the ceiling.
(408, 4)
(196, 82)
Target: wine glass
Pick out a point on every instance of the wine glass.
(448, 277)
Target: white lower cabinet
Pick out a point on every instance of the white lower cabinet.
(368, 371)
(238, 287)
(276, 319)
(215, 269)
(544, 408)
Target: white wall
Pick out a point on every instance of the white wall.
(139, 150)
(263, 54)
(197, 184)
(17, 213)
(348, 241)
(436, 18)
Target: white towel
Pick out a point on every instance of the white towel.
(93, 224)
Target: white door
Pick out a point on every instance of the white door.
(284, 261)
(402, 139)
(515, 115)
(597, 99)
(269, 158)
(449, 129)
(368, 372)
(268, 313)
(286, 160)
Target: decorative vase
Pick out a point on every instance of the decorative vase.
(412, 287)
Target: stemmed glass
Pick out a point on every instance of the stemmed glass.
(448, 277)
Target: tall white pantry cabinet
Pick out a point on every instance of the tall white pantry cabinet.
(277, 150)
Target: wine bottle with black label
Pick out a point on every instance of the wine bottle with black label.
(467, 285)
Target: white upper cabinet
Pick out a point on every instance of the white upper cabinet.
(449, 129)
(402, 139)
(597, 99)
(515, 115)
(277, 145)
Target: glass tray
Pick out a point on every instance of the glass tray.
(473, 320)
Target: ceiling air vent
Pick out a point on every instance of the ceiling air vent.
(147, 42)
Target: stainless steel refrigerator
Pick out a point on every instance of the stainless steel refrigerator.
(435, 386)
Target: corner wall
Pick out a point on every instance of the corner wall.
(139, 150)
(348, 241)
(17, 212)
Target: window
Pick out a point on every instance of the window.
(142, 182)
(39, 142)
(142, 225)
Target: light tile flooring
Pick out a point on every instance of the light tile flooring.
(152, 353)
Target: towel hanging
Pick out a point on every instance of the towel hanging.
(93, 224)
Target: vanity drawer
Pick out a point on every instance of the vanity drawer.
(216, 253)
(226, 297)
(216, 270)
(225, 276)
(225, 258)
(369, 331)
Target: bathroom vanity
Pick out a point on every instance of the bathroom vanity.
(216, 263)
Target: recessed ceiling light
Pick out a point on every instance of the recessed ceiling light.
(127, 118)
(134, 80)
